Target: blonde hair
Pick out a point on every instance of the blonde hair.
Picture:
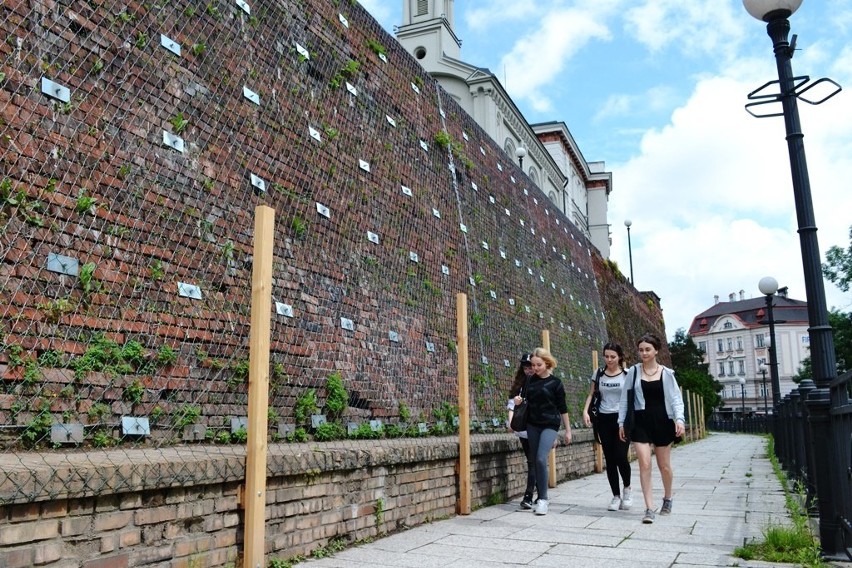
(544, 355)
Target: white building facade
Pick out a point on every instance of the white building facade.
(734, 337)
(553, 160)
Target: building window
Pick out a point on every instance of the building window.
(759, 339)
(731, 368)
(730, 344)
(422, 7)
(720, 345)
(721, 369)
(728, 325)
(534, 177)
(702, 346)
(761, 361)
(739, 343)
(741, 367)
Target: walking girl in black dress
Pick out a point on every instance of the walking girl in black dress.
(659, 419)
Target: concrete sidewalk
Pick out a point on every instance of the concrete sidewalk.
(725, 492)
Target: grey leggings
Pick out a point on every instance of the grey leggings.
(541, 441)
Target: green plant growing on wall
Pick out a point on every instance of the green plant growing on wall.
(380, 513)
(85, 203)
(186, 415)
(55, 309)
(179, 123)
(141, 40)
(376, 47)
(239, 436)
(134, 392)
(155, 269)
(98, 412)
(442, 139)
(329, 431)
(300, 227)
(38, 428)
(403, 411)
(346, 72)
(198, 49)
(306, 404)
(166, 356)
(102, 439)
(336, 396)
(86, 278)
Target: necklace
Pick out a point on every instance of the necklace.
(650, 374)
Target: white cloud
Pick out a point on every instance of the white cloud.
(486, 15)
(711, 200)
(540, 56)
(695, 27)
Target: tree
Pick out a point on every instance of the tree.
(691, 371)
(838, 265)
(841, 327)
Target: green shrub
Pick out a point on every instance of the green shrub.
(329, 431)
(336, 396)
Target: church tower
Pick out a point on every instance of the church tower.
(427, 32)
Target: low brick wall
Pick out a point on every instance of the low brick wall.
(181, 507)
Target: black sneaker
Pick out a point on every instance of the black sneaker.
(649, 517)
(666, 509)
(527, 503)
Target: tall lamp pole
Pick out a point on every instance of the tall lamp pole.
(829, 485)
(628, 223)
(768, 286)
(742, 394)
(762, 370)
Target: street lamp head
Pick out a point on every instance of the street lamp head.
(768, 10)
(628, 223)
(742, 381)
(767, 285)
(520, 152)
(762, 368)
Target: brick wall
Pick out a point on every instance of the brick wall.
(362, 490)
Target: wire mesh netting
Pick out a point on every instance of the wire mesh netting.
(136, 141)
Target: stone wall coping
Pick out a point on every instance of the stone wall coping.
(32, 477)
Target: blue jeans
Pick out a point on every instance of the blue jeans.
(541, 441)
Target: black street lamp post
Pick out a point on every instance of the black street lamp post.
(768, 286)
(742, 395)
(829, 487)
(628, 223)
(762, 370)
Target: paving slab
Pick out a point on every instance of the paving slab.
(725, 493)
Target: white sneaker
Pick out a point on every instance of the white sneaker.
(626, 499)
(541, 507)
(615, 503)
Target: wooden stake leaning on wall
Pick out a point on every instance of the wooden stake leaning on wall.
(464, 405)
(598, 448)
(551, 457)
(258, 389)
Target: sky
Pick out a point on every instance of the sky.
(656, 89)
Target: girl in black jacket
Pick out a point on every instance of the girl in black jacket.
(547, 410)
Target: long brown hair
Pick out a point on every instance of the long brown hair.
(520, 376)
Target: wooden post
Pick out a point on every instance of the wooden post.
(258, 389)
(464, 405)
(598, 448)
(551, 457)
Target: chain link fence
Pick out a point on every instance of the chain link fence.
(136, 140)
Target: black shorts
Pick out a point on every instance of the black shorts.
(653, 428)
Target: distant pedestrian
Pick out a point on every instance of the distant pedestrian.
(547, 409)
(658, 420)
(609, 382)
(522, 378)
